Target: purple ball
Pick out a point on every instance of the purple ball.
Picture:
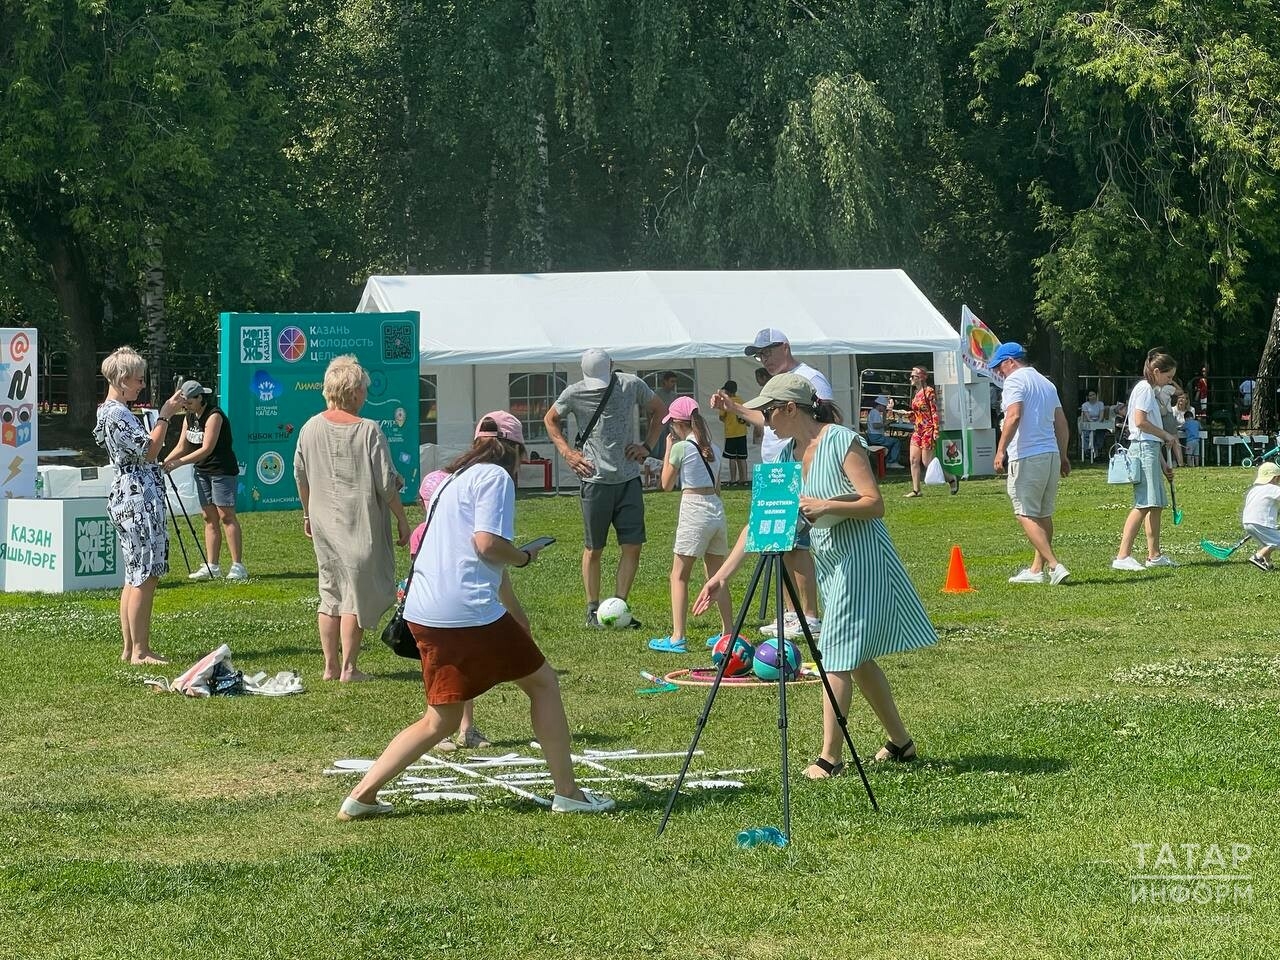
(766, 663)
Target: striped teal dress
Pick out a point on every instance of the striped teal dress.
(869, 607)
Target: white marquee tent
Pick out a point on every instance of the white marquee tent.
(480, 333)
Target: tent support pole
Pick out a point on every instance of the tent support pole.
(555, 454)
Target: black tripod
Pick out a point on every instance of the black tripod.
(177, 531)
(770, 565)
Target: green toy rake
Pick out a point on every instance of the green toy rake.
(1221, 553)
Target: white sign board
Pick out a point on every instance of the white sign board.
(53, 546)
(19, 423)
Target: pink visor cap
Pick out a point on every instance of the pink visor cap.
(682, 408)
(508, 427)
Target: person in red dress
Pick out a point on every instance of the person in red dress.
(924, 415)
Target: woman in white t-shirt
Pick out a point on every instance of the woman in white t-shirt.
(701, 530)
(1147, 438)
(471, 631)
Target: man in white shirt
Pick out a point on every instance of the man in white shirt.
(773, 350)
(1033, 440)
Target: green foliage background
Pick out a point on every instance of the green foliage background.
(1098, 173)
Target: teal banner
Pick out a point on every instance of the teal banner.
(271, 372)
(775, 507)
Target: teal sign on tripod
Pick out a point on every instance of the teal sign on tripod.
(775, 508)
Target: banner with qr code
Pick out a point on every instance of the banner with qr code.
(272, 368)
(19, 423)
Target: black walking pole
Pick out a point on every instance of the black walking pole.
(177, 535)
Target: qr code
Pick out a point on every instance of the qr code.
(397, 343)
(255, 344)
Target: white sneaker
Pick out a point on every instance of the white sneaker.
(1027, 576)
(1161, 561)
(237, 572)
(793, 631)
(789, 622)
(1058, 574)
(592, 802)
(353, 809)
(1126, 563)
(207, 571)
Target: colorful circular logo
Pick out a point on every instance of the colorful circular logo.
(292, 344)
(270, 468)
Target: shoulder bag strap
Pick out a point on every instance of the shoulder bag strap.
(706, 463)
(581, 438)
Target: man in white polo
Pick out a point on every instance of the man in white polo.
(1033, 441)
(773, 350)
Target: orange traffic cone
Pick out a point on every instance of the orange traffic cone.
(957, 578)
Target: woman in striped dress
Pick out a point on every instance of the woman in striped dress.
(870, 608)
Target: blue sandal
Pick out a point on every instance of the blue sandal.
(667, 645)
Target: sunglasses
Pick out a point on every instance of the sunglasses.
(765, 351)
(767, 412)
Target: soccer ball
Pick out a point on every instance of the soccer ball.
(739, 656)
(766, 664)
(614, 612)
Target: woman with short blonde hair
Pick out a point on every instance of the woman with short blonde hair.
(349, 491)
(136, 503)
(344, 382)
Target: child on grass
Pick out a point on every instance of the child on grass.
(701, 531)
(467, 735)
(1259, 515)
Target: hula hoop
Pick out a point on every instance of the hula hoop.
(705, 676)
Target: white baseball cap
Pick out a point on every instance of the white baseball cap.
(596, 364)
(767, 337)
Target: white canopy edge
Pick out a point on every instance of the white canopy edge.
(659, 315)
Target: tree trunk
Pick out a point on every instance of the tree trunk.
(153, 312)
(1262, 417)
(74, 290)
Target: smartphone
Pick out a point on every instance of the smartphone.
(537, 544)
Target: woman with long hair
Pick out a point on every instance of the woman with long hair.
(869, 607)
(701, 530)
(471, 630)
(1147, 437)
(924, 438)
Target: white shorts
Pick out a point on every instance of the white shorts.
(702, 528)
(1033, 485)
(1267, 536)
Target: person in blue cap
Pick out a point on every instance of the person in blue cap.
(1033, 444)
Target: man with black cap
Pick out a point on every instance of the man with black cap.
(206, 442)
(1033, 439)
(607, 457)
(773, 350)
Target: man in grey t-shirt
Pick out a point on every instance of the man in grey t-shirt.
(608, 466)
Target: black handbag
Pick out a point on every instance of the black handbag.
(396, 634)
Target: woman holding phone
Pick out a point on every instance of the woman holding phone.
(471, 630)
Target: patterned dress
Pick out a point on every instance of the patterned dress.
(136, 502)
(924, 414)
(869, 607)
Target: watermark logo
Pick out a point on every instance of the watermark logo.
(95, 547)
(1191, 874)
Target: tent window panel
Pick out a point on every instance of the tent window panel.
(427, 409)
(684, 379)
(530, 396)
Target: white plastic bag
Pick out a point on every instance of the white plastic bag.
(934, 474)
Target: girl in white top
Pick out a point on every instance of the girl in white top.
(1258, 518)
(1147, 438)
(701, 530)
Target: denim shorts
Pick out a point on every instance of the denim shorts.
(216, 489)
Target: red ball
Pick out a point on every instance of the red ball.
(739, 658)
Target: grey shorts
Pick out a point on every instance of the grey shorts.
(217, 490)
(617, 505)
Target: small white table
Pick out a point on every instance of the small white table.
(1230, 443)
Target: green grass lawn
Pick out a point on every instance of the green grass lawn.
(1058, 728)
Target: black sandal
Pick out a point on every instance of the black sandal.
(828, 769)
(898, 754)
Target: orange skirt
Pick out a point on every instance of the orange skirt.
(460, 663)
